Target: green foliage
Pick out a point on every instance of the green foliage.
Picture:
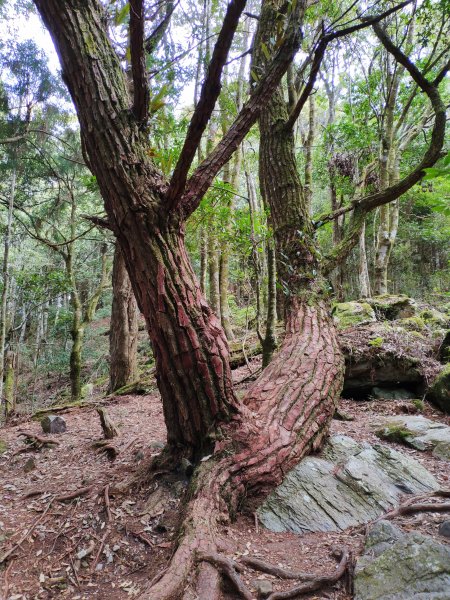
(376, 342)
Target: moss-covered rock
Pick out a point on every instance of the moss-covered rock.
(439, 391)
(349, 314)
(412, 324)
(444, 350)
(434, 318)
(3, 446)
(402, 567)
(391, 307)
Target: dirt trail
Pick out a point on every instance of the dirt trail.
(128, 550)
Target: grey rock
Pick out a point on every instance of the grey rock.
(353, 483)
(391, 394)
(424, 434)
(53, 424)
(412, 566)
(444, 529)
(262, 587)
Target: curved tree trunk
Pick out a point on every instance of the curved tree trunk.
(123, 337)
(287, 411)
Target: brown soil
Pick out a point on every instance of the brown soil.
(131, 548)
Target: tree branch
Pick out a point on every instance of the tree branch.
(361, 206)
(138, 69)
(320, 52)
(203, 176)
(208, 96)
(157, 34)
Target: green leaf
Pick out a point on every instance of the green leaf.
(265, 50)
(122, 14)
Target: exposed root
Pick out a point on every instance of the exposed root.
(75, 494)
(265, 567)
(34, 441)
(409, 509)
(317, 583)
(228, 568)
(105, 446)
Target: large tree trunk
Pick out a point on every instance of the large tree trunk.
(287, 411)
(123, 337)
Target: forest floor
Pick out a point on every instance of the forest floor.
(100, 545)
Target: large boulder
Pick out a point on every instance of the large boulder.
(439, 390)
(391, 306)
(385, 355)
(434, 318)
(397, 566)
(416, 431)
(349, 314)
(352, 483)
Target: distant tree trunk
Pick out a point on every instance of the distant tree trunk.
(203, 258)
(5, 276)
(123, 337)
(10, 382)
(309, 149)
(77, 335)
(269, 344)
(213, 270)
(364, 280)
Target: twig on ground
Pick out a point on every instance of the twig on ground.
(140, 535)
(107, 503)
(97, 556)
(5, 580)
(255, 515)
(29, 531)
(75, 494)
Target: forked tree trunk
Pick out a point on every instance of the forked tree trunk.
(289, 408)
(123, 337)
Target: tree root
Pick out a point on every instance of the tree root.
(35, 441)
(316, 583)
(410, 509)
(106, 446)
(265, 567)
(229, 568)
(75, 494)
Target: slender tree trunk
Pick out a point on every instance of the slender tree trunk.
(364, 280)
(77, 335)
(203, 258)
(5, 274)
(10, 382)
(213, 270)
(123, 336)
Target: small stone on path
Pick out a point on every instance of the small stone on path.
(53, 424)
(444, 529)
(262, 587)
